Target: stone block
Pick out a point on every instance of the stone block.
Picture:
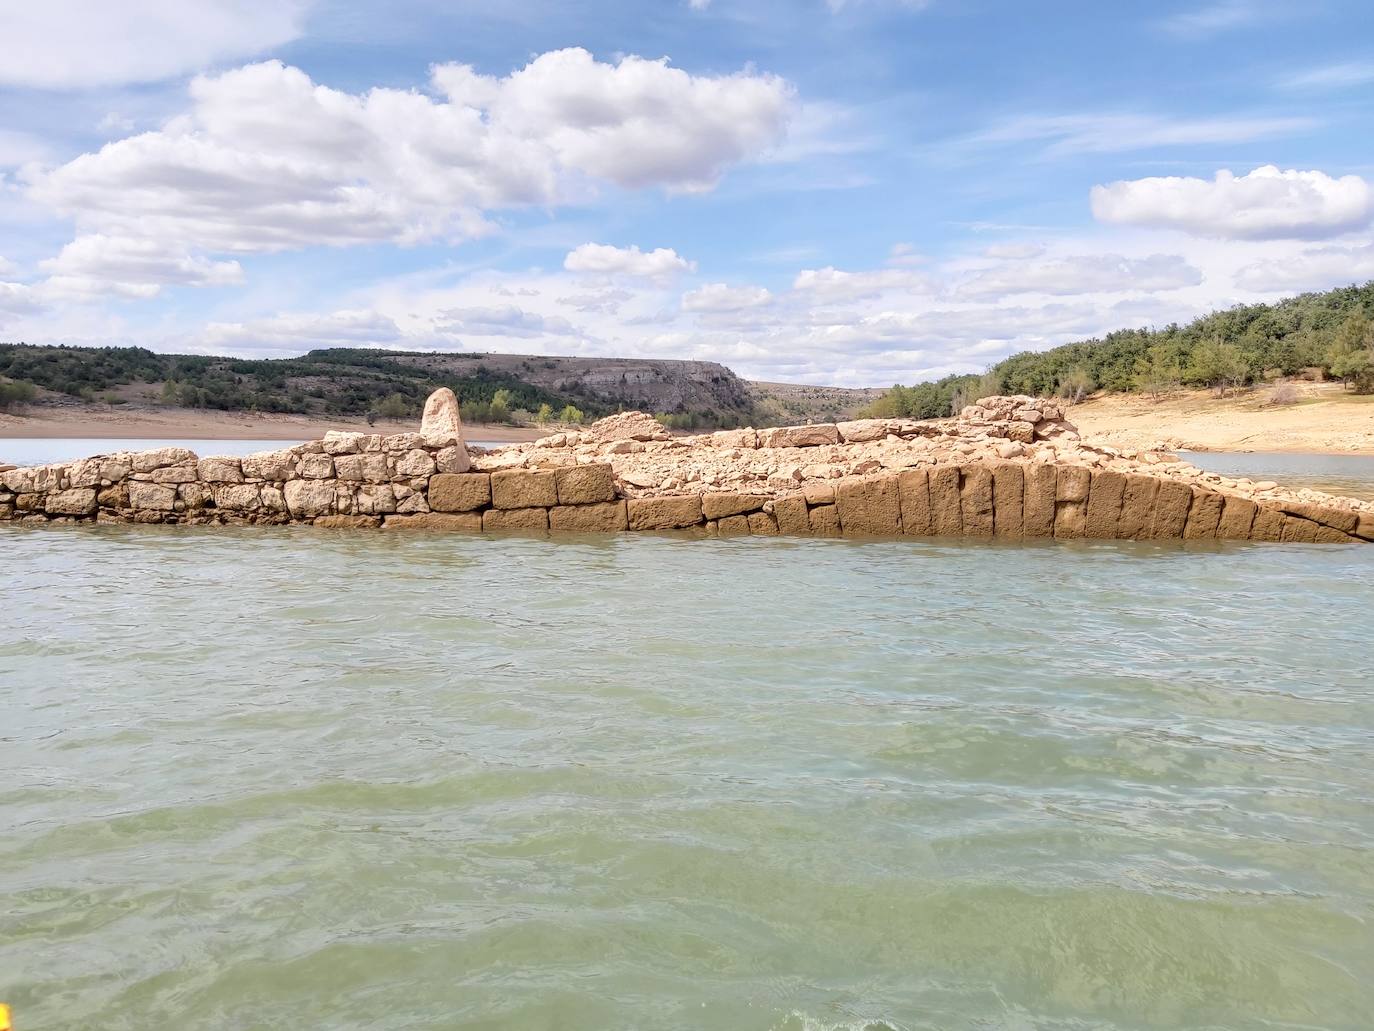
(1330, 535)
(1171, 510)
(269, 465)
(1297, 530)
(602, 517)
(1237, 516)
(362, 468)
(1268, 525)
(1365, 528)
(800, 436)
(414, 464)
(913, 488)
(763, 524)
(515, 520)
(818, 492)
(1204, 515)
(342, 442)
(467, 522)
(946, 515)
(524, 488)
(174, 474)
(238, 497)
(720, 505)
(1138, 508)
(78, 501)
(315, 467)
(732, 526)
(459, 492)
(585, 484)
(219, 469)
(307, 499)
(870, 507)
(1074, 483)
(1070, 520)
(1105, 497)
(825, 521)
(349, 522)
(453, 459)
(791, 514)
(1038, 507)
(116, 495)
(152, 497)
(1008, 499)
(1342, 519)
(664, 513)
(975, 501)
(147, 461)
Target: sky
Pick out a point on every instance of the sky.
(848, 192)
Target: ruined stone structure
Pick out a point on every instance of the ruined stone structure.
(1007, 468)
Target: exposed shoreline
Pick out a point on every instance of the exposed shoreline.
(121, 423)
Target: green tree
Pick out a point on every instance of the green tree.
(14, 393)
(545, 414)
(572, 414)
(1351, 357)
(393, 406)
(1077, 384)
(1218, 365)
(1158, 372)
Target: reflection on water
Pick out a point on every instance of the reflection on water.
(285, 778)
(1351, 475)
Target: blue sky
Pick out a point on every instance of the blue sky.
(852, 192)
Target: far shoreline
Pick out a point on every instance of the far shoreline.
(107, 422)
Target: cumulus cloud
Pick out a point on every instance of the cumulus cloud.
(296, 333)
(267, 160)
(720, 297)
(1317, 268)
(832, 285)
(502, 321)
(1266, 204)
(1081, 274)
(97, 264)
(73, 44)
(661, 264)
(18, 299)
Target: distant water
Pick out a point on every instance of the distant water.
(44, 450)
(1351, 475)
(282, 778)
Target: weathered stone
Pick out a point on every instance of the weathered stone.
(1070, 520)
(349, 522)
(1297, 530)
(1038, 510)
(243, 497)
(664, 513)
(637, 426)
(792, 516)
(870, 507)
(585, 484)
(147, 461)
(975, 500)
(1138, 508)
(1268, 525)
(1237, 516)
(459, 492)
(522, 520)
(20, 481)
(1342, 519)
(946, 516)
(524, 488)
(375, 499)
(414, 503)
(269, 465)
(28, 502)
(1171, 510)
(1073, 483)
(219, 469)
(78, 501)
(174, 474)
(1330, 535)
(307, 499)
(825, 521)
(800, 436)
(913, 488)
(155, 497)
(1008, 499)
(397, 442)
(338, 442)
(116, 495)
(195, 495)
(84, 473)
(274, 499)
(721, 505)
(817, 493)
(747, 439)
(453, 459)
(415, 464)
(1204, 515)
(862, 430)
(602, 517)
(762, 524)
(362, 468)
(466, 522)
(315, 467)
(1105, 498)
(442, 419)
(115, 467)
(732, 526)
(1365, 528)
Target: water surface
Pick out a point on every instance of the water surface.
(1351, 475)
(282, 778)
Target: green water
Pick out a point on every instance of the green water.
(262, 779)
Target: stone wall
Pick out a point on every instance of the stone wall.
(412, 481)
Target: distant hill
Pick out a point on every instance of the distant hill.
(355, 381)
(1332, 331)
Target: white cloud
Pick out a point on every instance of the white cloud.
(832, 285)
(661, 264)
(267, 160)
(74, 44)
(1066, 135)
(1317, 268)
(1265, 204)
(96, 264)
(18, 148)
(18, 299)
(720, 297)
(1083, 274)
(1331, 77)
(7, 267)
(1210, 19)
(502, 321)
(297, 333)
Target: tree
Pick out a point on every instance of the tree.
(1351, 357)
(14, 393)
(1158, 372)
(393, 406)
(1218, 365)
(1076, 384)
(572, 414)
(545, 414)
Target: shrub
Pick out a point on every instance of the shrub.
(14, 393)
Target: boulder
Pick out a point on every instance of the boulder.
(442, 421)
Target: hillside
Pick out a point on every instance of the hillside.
(390, 384)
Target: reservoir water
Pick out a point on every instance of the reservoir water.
(282, 778)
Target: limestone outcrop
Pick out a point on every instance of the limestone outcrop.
(1005, 467)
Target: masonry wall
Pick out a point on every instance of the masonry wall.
(404, 482)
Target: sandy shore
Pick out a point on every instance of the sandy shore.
(1327, 420)
(121, 423)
